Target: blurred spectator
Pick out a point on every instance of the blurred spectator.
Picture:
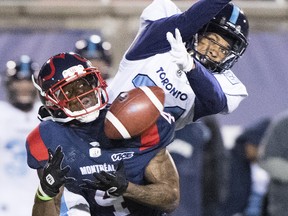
(274, 159)
(96, 49)
(201, 160)
(18, 116)
(248, 182)
(215, 169)
(187, 153)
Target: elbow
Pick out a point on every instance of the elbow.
(209, 107)
(216, 107)
(173, 201)
(219, 104)
(233, 102)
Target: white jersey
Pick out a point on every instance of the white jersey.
(179, 94)
(148, 62)
(73, 204)
(18, 182)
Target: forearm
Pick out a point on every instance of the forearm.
(210, 98)
(163, 191)
(47, 208)
(160, 196)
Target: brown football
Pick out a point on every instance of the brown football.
(133, 112)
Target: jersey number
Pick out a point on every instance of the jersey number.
(116, 202)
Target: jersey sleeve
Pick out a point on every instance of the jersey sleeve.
(158, 9)
(233, 88)
(160, 134)
(151, 38)
(210, 98)
(37, 152)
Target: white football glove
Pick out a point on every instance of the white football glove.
(178, 50)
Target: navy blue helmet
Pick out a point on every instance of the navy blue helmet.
(94, 47)
(65, 70)
(19, 88)
(232, 25)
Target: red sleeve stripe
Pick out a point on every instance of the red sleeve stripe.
(37, 146)
(149, 138)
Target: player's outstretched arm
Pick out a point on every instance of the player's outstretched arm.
(52, 178)
(213, 99)
(163, 191)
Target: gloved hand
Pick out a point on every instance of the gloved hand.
(114, 184)
(53, 175)
(178, 50)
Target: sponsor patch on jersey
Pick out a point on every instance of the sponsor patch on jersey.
(231, 77)
(122, 156)
(94, 152)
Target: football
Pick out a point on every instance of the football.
(133, 112)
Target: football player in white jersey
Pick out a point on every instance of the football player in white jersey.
(196, 76)
(18, 116)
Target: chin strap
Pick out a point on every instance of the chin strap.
(45, 115)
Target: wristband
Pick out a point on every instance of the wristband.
(42, 195)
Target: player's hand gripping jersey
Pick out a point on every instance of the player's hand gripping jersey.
(149, 62)
(87, 150)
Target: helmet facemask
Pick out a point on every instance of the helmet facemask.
(205, 46)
